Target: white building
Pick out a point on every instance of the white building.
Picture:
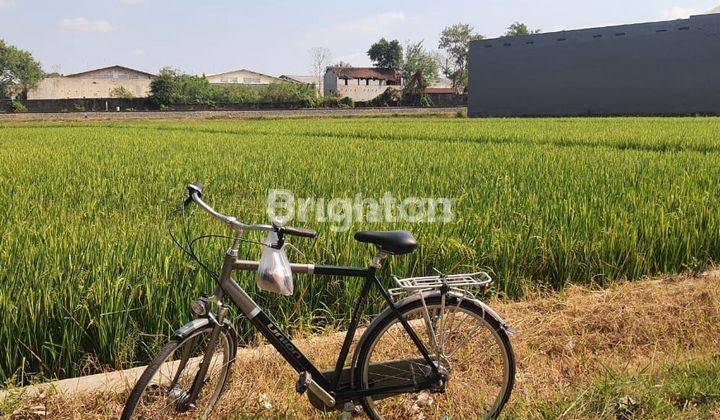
(97, 83)
(359, 83)
(242, 77)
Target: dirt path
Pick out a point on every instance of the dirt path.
(267, 113)
(566, 342)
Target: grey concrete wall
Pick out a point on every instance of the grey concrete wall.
(330, 84)
(660, 68)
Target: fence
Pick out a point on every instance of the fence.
(145, 104)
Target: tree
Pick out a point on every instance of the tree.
(413, 93)
(455, 41)
(418, 59)
(340, 68)
(172, 87)
(519, 28)
(386, 54)
(321, 58)
(19, 72)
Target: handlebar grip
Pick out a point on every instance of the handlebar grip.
(197, 187)
(305, 233)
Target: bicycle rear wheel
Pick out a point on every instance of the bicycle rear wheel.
(467, 343)
(163, 389)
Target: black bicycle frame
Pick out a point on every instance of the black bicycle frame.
(284, 345)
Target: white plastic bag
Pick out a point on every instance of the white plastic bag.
(274, 273)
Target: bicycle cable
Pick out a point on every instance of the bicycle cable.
(188, 249)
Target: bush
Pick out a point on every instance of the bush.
(17, 106)
(391, 97)
(347, 102)
(234, 94)
(328, 102)
(121, 92)
(288, 93)
(171, 87)
(78, 107)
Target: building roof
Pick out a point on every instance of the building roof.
(85, 73)
(300, 78)
(560, 36)
(243, 70)
(377, 73)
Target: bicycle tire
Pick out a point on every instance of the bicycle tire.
(412, 305)
(228, 344)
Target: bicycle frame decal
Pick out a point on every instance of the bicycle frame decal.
(284, 340)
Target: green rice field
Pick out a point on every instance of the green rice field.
(90, 279)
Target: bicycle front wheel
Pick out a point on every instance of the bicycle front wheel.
(164, 387)
(468, 345)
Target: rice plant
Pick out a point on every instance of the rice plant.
(90, 280)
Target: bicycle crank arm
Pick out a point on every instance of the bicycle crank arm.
(305, 383)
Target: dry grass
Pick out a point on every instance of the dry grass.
(567, 341)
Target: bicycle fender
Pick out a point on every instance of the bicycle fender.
(505, 326)
(194, 325)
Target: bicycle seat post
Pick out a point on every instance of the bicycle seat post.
(377, 259)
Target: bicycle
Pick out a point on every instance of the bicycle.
(417, 359)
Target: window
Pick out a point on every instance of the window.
(597, 36)
(620, 34)
(684, 28)
(251, 80)
(530, 42)
(507, 44)
(488, 46)
(562, 39)
(661, 30)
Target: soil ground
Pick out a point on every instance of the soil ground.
(645, 349)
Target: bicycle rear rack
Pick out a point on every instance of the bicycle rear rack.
(466, 284)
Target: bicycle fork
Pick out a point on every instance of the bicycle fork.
(199, 379)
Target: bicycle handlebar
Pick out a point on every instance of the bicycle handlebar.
(194, 194)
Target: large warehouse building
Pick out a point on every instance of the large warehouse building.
(97, 83)
(660, 68)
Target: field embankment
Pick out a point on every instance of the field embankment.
(648, 349)
(89, 279)
(246, 114)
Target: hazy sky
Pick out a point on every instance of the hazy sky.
(275, 36)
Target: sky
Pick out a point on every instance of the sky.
(275, 37)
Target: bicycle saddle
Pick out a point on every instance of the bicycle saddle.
(395, 242)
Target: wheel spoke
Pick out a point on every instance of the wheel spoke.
(160, 393)
(477, 377)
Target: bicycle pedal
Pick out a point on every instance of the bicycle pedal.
(350, 410)
(303, 382)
